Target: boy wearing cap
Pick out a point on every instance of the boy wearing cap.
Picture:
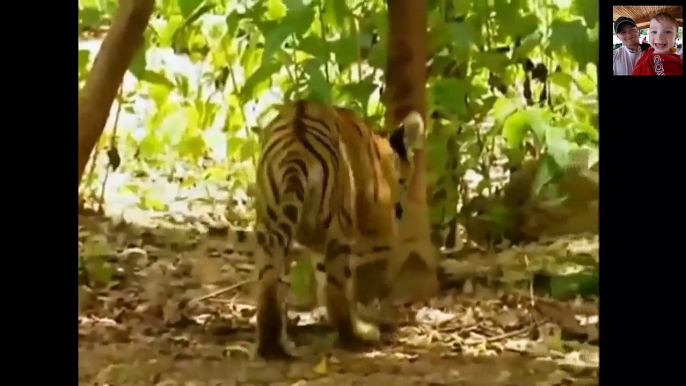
(625, 57)
(661, 57)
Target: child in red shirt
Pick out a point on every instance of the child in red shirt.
(660, 58)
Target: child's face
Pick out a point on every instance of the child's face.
(662, 35)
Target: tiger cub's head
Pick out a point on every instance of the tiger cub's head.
(397, 155)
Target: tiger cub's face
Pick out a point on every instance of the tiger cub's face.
(397, 156)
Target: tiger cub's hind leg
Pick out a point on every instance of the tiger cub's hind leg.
(338, 294)
(272, 338)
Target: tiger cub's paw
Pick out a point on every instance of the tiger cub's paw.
(366, 331)
(276, 349)
(364, 336)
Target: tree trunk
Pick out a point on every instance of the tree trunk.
(120, 45)
(414, 268)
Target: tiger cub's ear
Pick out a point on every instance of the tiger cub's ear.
(409, 136)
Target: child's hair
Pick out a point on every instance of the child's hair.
(664, 16)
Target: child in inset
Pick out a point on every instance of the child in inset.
(660, 58)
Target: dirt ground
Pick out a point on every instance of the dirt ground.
(172, 362)
(148, 316)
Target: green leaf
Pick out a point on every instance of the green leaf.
(139, 63)
(515, 156)
(346, 51)
(440, 64)
(192, 146)
(482, 7)
(379, 25)
(538, 119)
(528, 45)
(296, 22)
(214, 29)
(589, 130)
(157, 78)
(496, 62)
(547, 170)
(562, 79)
(198, 13)
(176, 123)
(461, 37)
(499, 216)
(377, 56)
(588, 10)
(478, 92)
(84, 60)
(275, 34)
(167, 31)
(188, 6)
(151, 145)
(182, 84)
(585, 84)
(503, 107)
(475, 23)
(303, 284)
(259, 77)
(252, 59)
(436, 147)
(215, 173)
(439, 37)
(434, 8)
(100, 270)
(313, 45)
(336, 12)
(319, 88)
(485, 105)
(515, 129)
(585, 283)
(449, 95)
(159, 92)
(234, 146)
(275, 9)
(294, 5)
(582, 158)
(97, 246)
(572, 37)
(359, 92)
(197, 45)
(301, 18)
(152, 203)
(558, 146)
(249, 149)
(91, 17)
(517, 26)
(461, 7)
(233, 21)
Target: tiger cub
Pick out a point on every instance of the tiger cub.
(327, 181)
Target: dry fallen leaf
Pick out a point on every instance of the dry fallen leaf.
(322, 368)
(551, 336)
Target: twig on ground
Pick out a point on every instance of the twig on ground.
(531, 284)
(221, 291)
(503, 336)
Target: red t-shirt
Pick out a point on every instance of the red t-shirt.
(651, 63)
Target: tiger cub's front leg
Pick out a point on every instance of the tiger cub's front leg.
(272, 338)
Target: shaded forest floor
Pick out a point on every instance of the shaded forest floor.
(148, 316)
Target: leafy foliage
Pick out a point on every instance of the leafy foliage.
(508, 79)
